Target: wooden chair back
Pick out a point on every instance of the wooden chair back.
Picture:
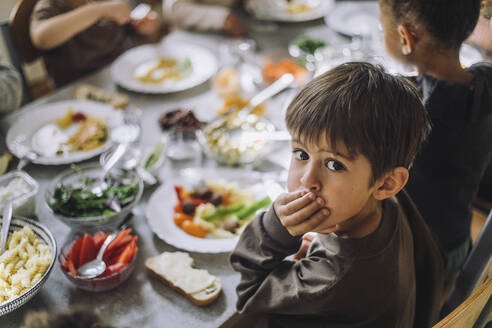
(474, 270)
(20, 22)
(474, 307)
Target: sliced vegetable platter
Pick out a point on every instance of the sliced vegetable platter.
(161, 209)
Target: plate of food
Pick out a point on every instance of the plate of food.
(353, 19)
(63, 132)
(163, 68)
(205, 210)
(289, 10)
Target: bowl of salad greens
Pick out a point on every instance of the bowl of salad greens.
(69, 197)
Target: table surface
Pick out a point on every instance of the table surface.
(142, 300)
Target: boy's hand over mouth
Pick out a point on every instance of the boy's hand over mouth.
(300, 211)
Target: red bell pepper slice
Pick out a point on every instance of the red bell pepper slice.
(127, 254)
(117, 240)
(74, 254)
(71, 268)
(99, 239)
(88, 250)
(179, 192)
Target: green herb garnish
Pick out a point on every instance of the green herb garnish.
(310, 45)
(77, 200)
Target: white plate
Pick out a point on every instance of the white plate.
(276, 10)
(353, 19)
(160, 210)
(20, 136)
(203, 66)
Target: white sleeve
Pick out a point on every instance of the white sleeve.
(203, 15)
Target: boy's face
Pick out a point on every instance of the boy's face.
(342, 182)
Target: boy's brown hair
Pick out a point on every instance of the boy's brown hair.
(373, 113)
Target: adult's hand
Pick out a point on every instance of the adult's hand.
(233, 27)
(149, 25)
(117, 11)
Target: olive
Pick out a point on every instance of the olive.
(216, 199)
(189, 207)
(231, 225)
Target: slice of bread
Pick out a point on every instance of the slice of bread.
(175, 270)
(91, 92)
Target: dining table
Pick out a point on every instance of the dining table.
(142, 300)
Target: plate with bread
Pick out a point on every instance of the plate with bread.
(205, 209)
(175, 269)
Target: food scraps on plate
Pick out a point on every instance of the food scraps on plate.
(217, 210)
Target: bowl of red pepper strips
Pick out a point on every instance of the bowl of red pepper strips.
(119, 256)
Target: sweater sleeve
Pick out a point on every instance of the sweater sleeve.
(10, 88)
(189, 14)
(273, 284)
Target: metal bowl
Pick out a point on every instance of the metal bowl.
(45, 235)
(92, 223)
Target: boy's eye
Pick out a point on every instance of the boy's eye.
(335, 165)
(301, 155)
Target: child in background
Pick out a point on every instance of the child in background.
(204, 15)
(374, 262)
(80, 36)
(482, 34)
(446, 173)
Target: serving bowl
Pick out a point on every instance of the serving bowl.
(98, 284)
(47, 238)
(23, 202)
(136, 157)
(99, 222)
(236, 139)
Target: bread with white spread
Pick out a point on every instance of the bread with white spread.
(175, 269)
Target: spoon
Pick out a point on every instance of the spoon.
(97, 266)
(100, 185)
(280, 84)
(7, 217)
(146, 176)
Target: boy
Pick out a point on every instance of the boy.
(355, 132)
(446, 174)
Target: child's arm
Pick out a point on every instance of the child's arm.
(269, 283)
(53, 31)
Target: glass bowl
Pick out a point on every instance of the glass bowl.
(216, 141)
(137, 157)
(92, 223)
(23, 202)
(45, 235)
(98, 284)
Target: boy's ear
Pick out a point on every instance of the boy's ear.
(407, 38)
(391, 183)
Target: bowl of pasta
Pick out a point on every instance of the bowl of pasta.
(26, 263)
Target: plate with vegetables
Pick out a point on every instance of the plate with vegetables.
(63, 132)
(205, 210)
(163, 68)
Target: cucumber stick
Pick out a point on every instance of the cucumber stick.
(250, 210)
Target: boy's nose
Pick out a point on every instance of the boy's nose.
(310, 179)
